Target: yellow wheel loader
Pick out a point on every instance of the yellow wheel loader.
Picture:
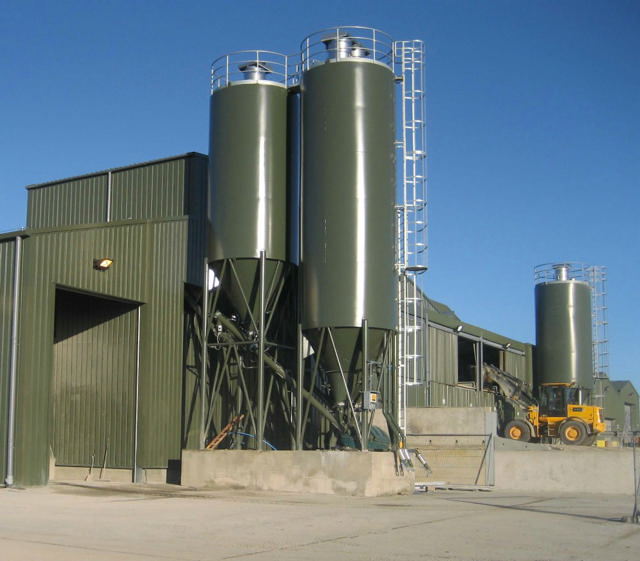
(560, 413)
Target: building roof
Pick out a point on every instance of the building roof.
(121, 168)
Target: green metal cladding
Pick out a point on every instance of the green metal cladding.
(157, 249)
(151, 190)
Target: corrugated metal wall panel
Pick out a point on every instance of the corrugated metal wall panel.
(152, 261)
(149, 267)
(7, 270)
(443, 356)
(516, 364)
(75, 202)
(94, 378)
(148, 192)
(445, 395)
(162, 346)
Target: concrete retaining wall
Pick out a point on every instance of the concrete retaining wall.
(454, 422)
(571, 470)
(366, 474)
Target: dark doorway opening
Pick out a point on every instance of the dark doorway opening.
(94, 380)
(467, 361)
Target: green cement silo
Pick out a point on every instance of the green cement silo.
(563, 327)
(348, 196)
(248, 168)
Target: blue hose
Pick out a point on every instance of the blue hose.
(252, 436)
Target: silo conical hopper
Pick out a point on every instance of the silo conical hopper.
(248, 165)
(348, 197)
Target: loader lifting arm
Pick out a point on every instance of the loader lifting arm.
(511, 387)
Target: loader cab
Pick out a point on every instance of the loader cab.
(554, 399)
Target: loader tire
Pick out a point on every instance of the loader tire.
(573, 433)
(518, 430)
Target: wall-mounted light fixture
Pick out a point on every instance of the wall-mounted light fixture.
(459, 328)
(102, 264)
(507, 346)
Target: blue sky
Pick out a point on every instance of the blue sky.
(533, 132)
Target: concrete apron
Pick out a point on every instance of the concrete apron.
(353, 473)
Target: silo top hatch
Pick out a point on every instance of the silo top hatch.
(348, 43)
(250, 67)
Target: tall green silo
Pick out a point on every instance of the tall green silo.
(348, 197)
(248, 246)
(563, 326)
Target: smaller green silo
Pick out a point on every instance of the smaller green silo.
(563, 326)
(248, 172)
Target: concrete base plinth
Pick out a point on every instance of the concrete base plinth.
(367, 474)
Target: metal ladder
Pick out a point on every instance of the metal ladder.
(411, 227)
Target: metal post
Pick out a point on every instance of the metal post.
(205, 354)
(365, 385)
(299, 380)
(136, 478)
(635, 517)
(14, 363)
(109, 196)
(261, 404)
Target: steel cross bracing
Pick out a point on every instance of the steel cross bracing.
(411, 220)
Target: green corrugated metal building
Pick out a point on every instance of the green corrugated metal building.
(108, 362)
(102, 361)
(621, 406)
(455, 351)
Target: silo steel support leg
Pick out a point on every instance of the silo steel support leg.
(261, 408)
(205, 353)
(365, 385)
(299, 380)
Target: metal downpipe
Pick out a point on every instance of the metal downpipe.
(9, 479)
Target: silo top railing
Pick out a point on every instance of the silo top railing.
(562, 271)
(251, 67)
(347, 43)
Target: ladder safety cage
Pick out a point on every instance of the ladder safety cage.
(597, 278)
(411, 227)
